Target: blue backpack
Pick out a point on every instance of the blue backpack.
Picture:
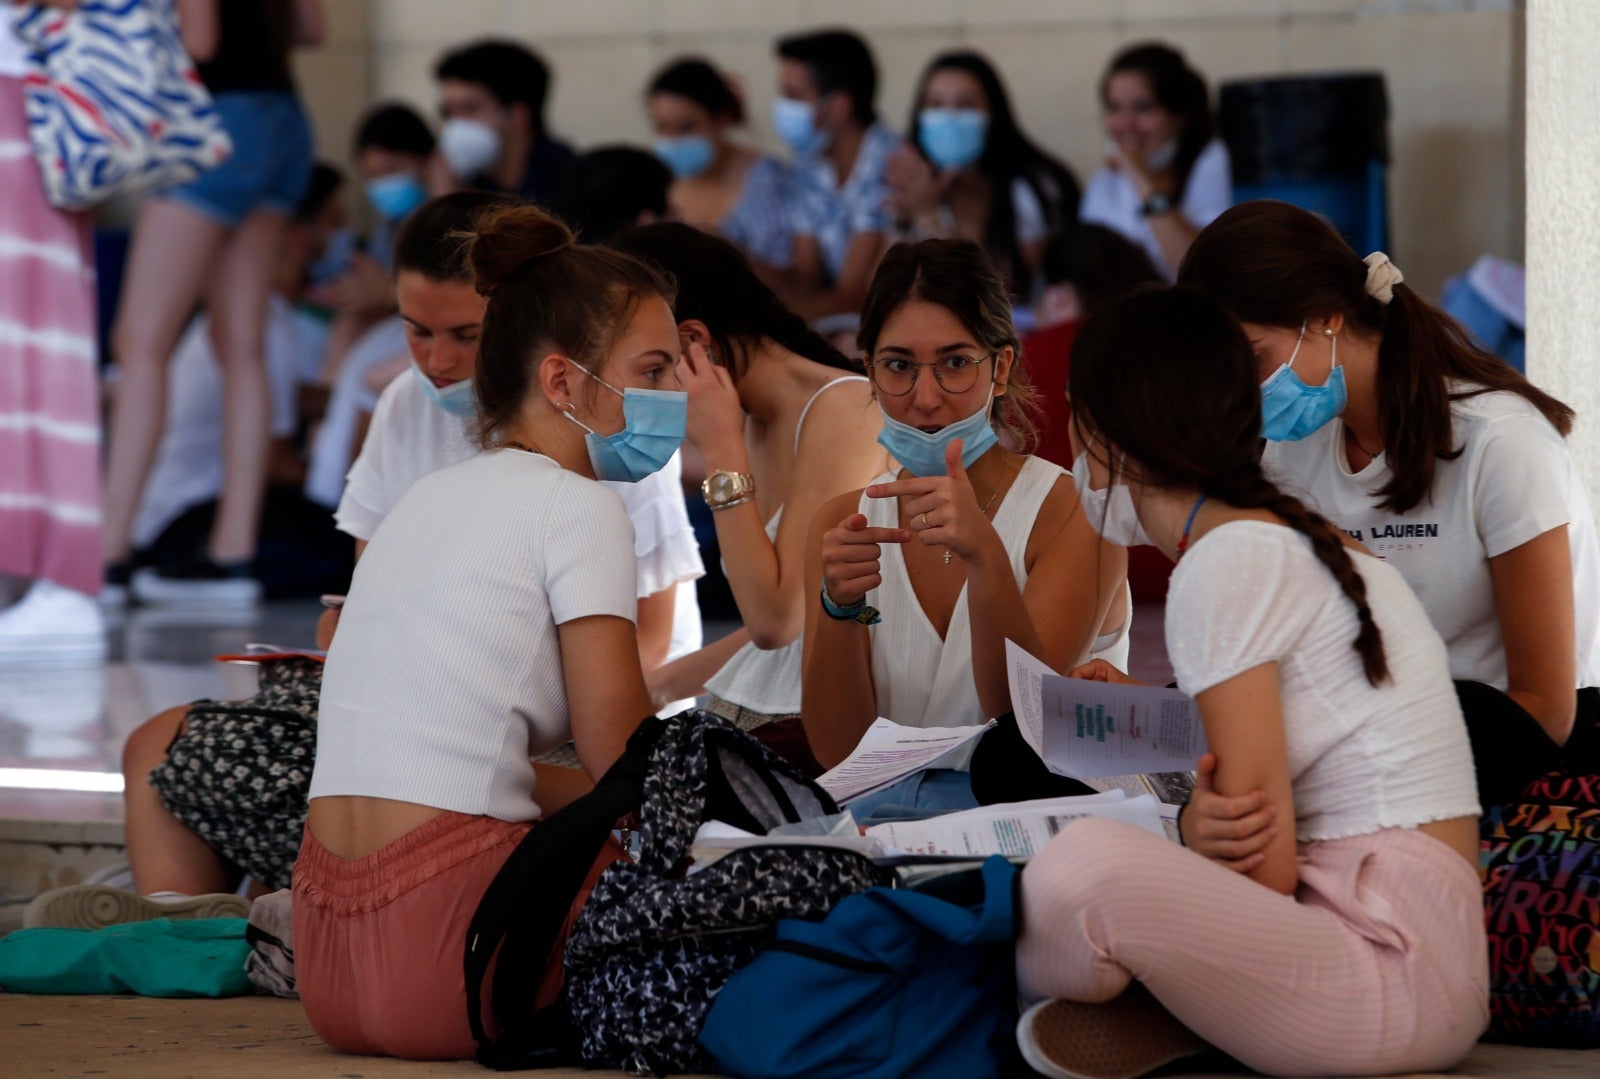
(892, 983)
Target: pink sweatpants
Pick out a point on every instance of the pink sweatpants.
(380, 941)
(1378, 964)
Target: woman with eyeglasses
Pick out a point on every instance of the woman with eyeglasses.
(918, 580)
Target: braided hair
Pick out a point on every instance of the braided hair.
(1134, 386)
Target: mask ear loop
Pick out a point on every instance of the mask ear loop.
(1300, 341)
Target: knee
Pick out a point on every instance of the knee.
(147, 746)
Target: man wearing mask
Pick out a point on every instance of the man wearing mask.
(827, 85)
(491, 98)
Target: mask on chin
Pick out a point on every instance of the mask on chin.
(922, 452)
(1291, 410)
(456, 398)
(1111, 512)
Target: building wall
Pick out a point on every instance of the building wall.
(1564, 216)
(1451, 66)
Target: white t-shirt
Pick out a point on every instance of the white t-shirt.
(1111, 200)
(1515, 480)
(347, 400)
(410, 437)
(445, 675)
(1362, 758)
(187, 470)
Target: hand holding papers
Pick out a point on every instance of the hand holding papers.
(1090, 729)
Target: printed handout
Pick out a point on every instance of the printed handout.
(889, 751)
(1017, 830)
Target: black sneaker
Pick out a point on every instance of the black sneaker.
(199, 582)
(114, 590)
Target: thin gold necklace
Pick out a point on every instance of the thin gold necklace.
(985, 511)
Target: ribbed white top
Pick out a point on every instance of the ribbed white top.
(1362, 758)
(445, 674)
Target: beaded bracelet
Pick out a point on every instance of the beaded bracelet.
(855, 612)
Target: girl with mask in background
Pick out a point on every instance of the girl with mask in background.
(783, 423)
(968, 170)
(490, 619)
(917, 581)
(1356, 945)
(1439, 458)
(720, 186)
(1165, 176)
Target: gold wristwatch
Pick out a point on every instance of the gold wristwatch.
(723, 488)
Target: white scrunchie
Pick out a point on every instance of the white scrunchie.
(1382, 276)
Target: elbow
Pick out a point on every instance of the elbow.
(201, 46)
(771, 632)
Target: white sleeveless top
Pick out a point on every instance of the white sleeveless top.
(921, 680)
(768, 680)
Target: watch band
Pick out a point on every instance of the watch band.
(1158, 203)
(853, 612)
(723, 489)
(718, 507)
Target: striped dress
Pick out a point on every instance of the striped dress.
(49, 419)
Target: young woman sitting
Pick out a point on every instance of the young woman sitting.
(490, 619)
(918, 580)
(1356, 945)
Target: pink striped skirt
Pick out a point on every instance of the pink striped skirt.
(49, 380)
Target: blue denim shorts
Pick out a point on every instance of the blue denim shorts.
(271, 162)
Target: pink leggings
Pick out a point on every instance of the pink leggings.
(1378, 963)
(380, 941)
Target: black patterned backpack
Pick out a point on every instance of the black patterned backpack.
(654, 943)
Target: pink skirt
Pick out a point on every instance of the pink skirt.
(49, 384)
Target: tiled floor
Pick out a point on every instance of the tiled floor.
(62, 729)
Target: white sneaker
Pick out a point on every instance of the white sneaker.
(95, 906)
(1121, 1039)
(52, 626)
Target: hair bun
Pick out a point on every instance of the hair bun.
(509, 239)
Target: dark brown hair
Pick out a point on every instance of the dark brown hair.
(1179, 89)
(717, 286)
(1133, 387)
(433, 240)
(545, 295)
(1275, 264)
(958, 276)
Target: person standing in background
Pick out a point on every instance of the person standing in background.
(1166, 177)
(49, 434)
(213, 241)
(491, 96)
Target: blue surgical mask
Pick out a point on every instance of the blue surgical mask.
(952, 138)
(922, 452)
(396, 195)
(1291, 410)
(796, 124)
(653, 425)
(687, 155)
(455, 398)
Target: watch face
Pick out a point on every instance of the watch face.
(720, 487)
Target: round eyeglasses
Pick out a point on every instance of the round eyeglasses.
(956, 373)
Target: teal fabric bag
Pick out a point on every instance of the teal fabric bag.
(201, 957)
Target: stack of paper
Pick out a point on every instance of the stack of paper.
(889, 752)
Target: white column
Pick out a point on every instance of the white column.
(1563, 215)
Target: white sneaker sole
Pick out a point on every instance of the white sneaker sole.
(75, 650)
(151, 588)
(95, 906)
(1120, 1039)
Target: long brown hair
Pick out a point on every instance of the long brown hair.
(958, 276)
(1133, 387)
(545, 295)
(1278, 265)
